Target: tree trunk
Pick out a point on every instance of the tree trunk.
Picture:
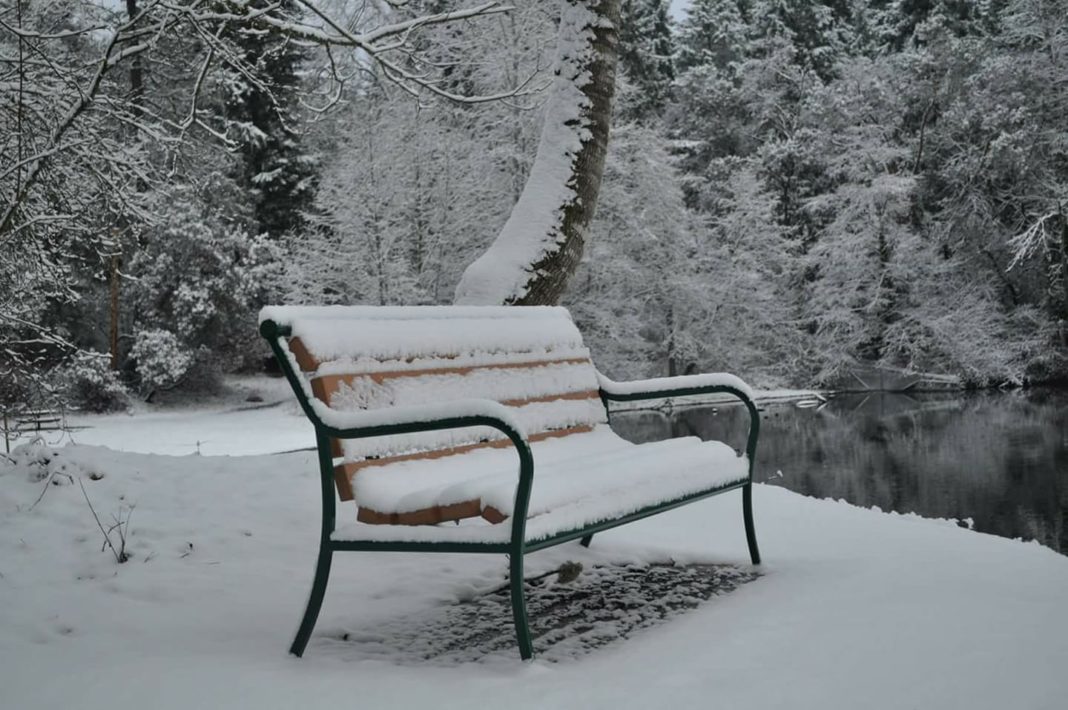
(137, 70)
(113, 313)
(539, 248)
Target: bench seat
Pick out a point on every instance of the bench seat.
(592, 476)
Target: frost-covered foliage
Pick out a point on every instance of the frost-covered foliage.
(198, 281)
(411, 193)
(91, 385)
(260, 111)
(110, 110)
(647, 56)
(907, 159)
(162, 361)
(794, 189)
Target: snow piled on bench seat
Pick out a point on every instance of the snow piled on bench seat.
(578, 481)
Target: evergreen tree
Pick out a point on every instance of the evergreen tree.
(646, 57)
(713, 34)
(261, 113)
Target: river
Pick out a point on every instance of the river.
(996, 459)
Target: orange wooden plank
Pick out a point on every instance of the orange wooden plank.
(329, 384)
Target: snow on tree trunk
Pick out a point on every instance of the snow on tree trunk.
(540, 246)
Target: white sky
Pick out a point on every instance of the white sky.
(678, 8)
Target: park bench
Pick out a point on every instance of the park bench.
(482, 430)
(18, 422)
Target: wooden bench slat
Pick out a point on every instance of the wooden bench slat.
(326, 387)
(344, 472)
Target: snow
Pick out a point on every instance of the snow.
(408, 332)
(578, 480)
(418, 414)
(286, 315)
(518, 343)
(855, 608)
(528, 419)
(227, 426)
(662, 384)
(501, 384)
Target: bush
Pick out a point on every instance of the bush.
(90, 385)
(162, 361)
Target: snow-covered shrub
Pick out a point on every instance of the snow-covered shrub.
(162, 361)
(200, 281)
(91, 385)
(38, 461)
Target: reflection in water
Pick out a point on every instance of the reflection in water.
(1000, 459)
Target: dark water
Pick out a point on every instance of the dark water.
(998, 458)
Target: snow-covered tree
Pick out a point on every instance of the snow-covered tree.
(261, 116)
(646, 57)
(197, 287)
(540, 246)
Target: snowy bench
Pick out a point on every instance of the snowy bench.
(432, 415)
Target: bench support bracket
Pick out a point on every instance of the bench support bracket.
(519, 605)
(326, 550)
(747, 512)
(315, 602)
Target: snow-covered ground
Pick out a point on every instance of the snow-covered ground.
(227, 424)
(855, 608)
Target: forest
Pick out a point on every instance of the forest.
(792, 188)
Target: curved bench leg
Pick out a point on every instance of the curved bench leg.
(750, 530)
(585, 542)
(315, 601)
(519, 606)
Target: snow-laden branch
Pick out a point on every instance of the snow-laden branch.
(86, 95)
(67, 34)
(1032, 239)
(368, 42)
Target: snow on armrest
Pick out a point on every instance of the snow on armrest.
(418, 414)
(666, 384)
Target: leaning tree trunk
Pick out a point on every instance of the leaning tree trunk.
(540, 246)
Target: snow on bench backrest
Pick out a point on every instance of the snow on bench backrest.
(531, 359)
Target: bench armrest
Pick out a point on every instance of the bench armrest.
(681, 386)
(686, 386)
(453, 414)
(429, 417)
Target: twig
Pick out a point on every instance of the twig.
(48, 484)
(119, 557)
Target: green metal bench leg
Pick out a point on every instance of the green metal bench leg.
(585, 542)
(519, 606)
(315, 601)
(750, 530)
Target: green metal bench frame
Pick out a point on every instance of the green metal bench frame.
(518, 546)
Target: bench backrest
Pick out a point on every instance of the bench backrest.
(531, 359)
